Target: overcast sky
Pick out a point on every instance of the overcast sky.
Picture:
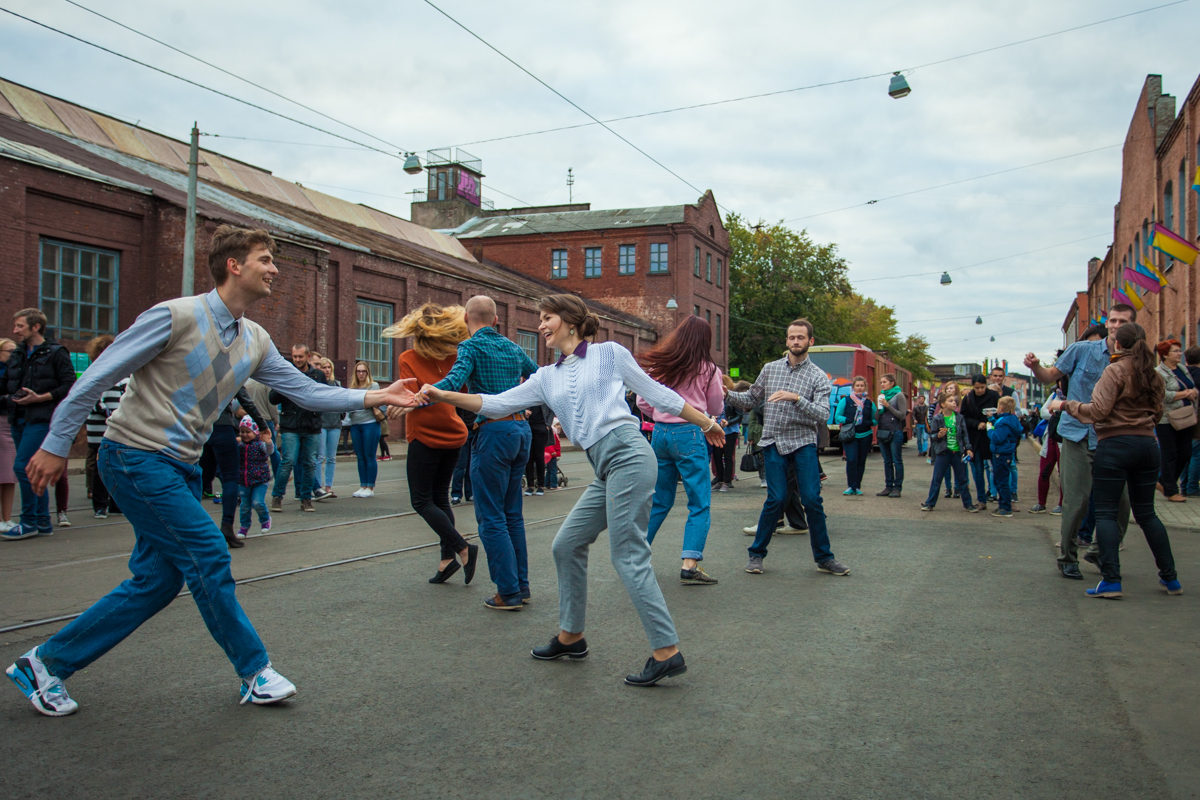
(405, 73)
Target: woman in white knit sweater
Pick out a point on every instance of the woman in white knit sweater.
(586, 390)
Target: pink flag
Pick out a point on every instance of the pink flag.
(1138, 279)
(1120, 297)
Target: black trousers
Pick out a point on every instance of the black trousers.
(224, 448)
(535, 470)
(1132, 461)
(1176, 448)
(101, 499)
(430, 471)
(727, 460)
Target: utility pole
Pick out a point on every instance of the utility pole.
(570, 184)
(189, 231)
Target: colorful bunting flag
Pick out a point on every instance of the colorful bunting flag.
(1147, 282)
(1120, 297)
(1135, 299)
(1196, 180)
(1174, 245)
(1151, 271)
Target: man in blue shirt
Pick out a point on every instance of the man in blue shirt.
(1083, 362)
(490, 364)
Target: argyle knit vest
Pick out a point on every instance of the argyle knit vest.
(172, 402)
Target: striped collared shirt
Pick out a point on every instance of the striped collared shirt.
(788, 426)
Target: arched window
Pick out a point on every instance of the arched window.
(1183, 198)
(1137, 251)
(1145, 240)
(1169, 207)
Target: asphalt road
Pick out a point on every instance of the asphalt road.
(953, 662)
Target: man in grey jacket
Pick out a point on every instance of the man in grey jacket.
(893, 411)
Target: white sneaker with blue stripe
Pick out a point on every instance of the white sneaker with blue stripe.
(46, 692)
(267, 687)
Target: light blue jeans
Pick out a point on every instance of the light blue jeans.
(254, 497)
(682, 451)
(176, 542)
(501, 451)
(327, 442)
(365, 437)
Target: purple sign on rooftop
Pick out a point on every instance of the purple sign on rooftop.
(468, 187)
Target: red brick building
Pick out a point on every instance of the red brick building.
(92, 221)
(1159, 163)
(656, 264)
(1077, 319)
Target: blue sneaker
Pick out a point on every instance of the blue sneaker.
(45, 691)
(20, 531)
(1172, 587)
(848, 493)
(1105, 589)
(857, 492)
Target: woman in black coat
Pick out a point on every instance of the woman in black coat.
(976, 407)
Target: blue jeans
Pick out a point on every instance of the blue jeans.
(254, 497)
(856, 451)
(808, 479)
(681, 450)
(893, 460)
(327, 442)
(365, 438)
(1189, 481)
(501, 451)
(275, 457)
(460, 484)
(176, 542)
(1002, 466)
(300, 454)
(922, 439)
(943, 465)
(35, 511)
(552, 474)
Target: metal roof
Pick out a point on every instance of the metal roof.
(44, 158)
(569, 221)
(211, 194)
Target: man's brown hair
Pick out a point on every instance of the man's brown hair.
(802, 323)
(231, 242)
(33, 316)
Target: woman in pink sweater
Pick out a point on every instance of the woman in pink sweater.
(683, 362)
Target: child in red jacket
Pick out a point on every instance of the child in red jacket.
(553, 453)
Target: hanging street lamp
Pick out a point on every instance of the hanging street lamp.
(898, 87)
(979, 320)
(946, 279)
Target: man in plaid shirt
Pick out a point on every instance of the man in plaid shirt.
(797, 401)
(488, 363)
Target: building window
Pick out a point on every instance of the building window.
(591, 262)
(658, 258)
(626, 259)
(558, 263)
(372, 347)
(78, 289)
(695, 311)
(719, 265)
(697, 267)
(527, 341)
(708, 316)
(718, 331)
(1169, 207)
(708, 267)
(1183, 199)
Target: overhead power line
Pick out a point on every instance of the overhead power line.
(568, 100)
(231, 74)
(973, 316)
(978, 263)
(195, 83)
(778, 92)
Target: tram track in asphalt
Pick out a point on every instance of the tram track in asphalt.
(285, 573)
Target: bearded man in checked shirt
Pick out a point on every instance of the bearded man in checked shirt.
(797, 401)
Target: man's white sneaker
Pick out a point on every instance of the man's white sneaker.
(750, 530)
(267, 687)
(46, 692)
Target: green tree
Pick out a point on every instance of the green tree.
(777, 274)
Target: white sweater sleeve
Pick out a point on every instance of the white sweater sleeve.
(644, 386)
(518, 398)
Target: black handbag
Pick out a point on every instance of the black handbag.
(749, 462)
(846, 432)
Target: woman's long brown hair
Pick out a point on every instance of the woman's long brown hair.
(683, 355)
(1144, 378)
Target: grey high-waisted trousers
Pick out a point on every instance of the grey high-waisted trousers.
(618, 499)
